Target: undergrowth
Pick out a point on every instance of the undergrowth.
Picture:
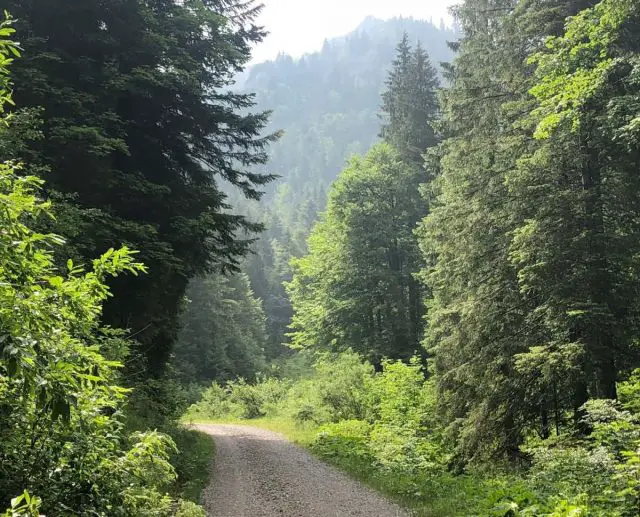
(383, 429)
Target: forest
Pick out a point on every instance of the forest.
(414, 253)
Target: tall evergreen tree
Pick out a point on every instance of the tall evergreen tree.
(480, 321)
(409, 104)
(140, 130)
(576, 248)
(394, 98)
(409, 111)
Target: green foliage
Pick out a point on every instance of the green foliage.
(345, 441)
(405, 436)
(238, 399)
(409, 103)
(355, 289)
(56, 388)
(531, 243)
(392, 438)
(8, 50)
(61, 428)
(189, 509)
(192, 463)
(223, 332)
(257, 400)
(24, 506)
(140, 129)
(577, 65)
(629, 392)
(335, 391)
(392, 432)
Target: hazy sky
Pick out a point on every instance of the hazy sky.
(300, 26)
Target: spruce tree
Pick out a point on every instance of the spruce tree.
(141, 129)
(395, 102)
(576, 249)
(480, 320)
(223, 331)
(409, 103)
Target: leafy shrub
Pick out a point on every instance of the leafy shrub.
(397, 394)
(405, 436)
(592, 475)
(215, 403)
(62, 434)
(348, 439)
(336, 391)
(629, 393)
(259, 399)
(192, 462)
(24, 505)
(247, 397)
(305, 403)
(238, 399)
(189, 509)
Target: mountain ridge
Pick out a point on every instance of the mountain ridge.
(328, 105)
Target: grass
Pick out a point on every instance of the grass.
(442, 495)
(192, 463)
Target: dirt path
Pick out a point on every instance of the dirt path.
(258, 473)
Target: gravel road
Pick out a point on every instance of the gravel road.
(258, 473)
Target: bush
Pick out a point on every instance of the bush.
(258, 400)
(189, 509)
(336, 391)
(238, 399)
(348, 439)
(192, 462)
(215, 403)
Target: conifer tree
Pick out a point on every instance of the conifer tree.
(140, 130)
(480, 320)
(409, 104)
(223, 331)
(576, 248)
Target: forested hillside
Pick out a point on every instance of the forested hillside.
(328, 102)
(328, 106)
(468, 303)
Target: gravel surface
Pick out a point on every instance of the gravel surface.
(258, 473)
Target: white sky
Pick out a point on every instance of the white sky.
(300, 26)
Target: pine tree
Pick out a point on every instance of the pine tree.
(140, 130)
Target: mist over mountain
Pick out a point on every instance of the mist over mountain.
(327, 104)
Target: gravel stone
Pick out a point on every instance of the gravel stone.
(258, 473)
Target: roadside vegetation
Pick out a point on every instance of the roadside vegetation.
(384, 429)
(457, 323)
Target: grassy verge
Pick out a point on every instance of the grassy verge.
(192, 463)
(442, 495)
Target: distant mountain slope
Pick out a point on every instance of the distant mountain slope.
(327, 102)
